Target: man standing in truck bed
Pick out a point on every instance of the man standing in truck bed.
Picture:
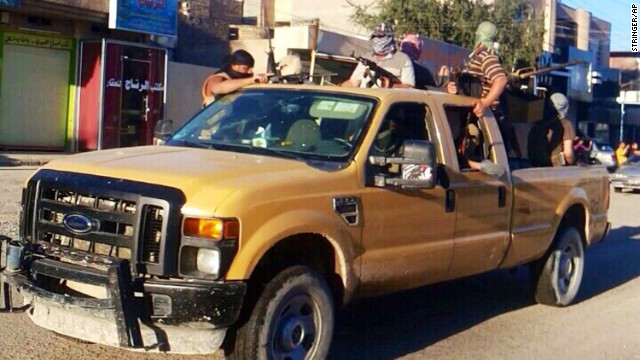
(387, 56)
(484, 64)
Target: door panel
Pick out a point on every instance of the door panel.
(483, 202)
(407, 234)
(407, 239)
(481, 227)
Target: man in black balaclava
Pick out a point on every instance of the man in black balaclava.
(236, 73)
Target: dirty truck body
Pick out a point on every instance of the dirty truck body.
(274, 206)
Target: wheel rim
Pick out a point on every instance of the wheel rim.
(569, 262)
(297, 326)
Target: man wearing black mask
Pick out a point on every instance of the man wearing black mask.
(236, 73)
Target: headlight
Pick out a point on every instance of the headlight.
(618, 176)
(208, 261)
(208, 246)
(216, 229)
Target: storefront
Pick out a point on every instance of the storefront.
(36, 90)
(122, 93)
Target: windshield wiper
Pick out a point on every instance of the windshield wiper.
(271, 151)
(192, 144)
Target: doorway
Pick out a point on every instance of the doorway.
(34, 105)
(135, 109)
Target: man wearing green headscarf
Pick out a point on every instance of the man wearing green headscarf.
(484, 64)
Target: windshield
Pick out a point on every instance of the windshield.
(302, 124)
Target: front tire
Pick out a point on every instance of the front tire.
(292, 320)
(558, 275)
(617, 189)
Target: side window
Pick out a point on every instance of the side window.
(468, 135)
(403, 121)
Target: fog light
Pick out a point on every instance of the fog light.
(208, 261)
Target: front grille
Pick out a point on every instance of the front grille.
(120, 218)
(152, 234)
(115, 220)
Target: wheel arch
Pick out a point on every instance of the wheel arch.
(314, 239)
(575, 216)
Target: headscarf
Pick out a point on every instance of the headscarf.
(412, 46)
(486, 34)
(382, 40)
(561, 103)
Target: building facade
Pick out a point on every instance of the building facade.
(576, 35)
(628, 63)
(69, 82)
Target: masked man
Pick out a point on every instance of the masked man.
(387, 56)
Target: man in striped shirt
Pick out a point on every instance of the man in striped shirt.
(485, 65)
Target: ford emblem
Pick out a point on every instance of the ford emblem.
(79, 224)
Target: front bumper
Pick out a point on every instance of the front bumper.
(168, 315)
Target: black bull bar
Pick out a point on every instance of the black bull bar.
(21, 262)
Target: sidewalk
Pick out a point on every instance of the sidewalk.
(11, 158)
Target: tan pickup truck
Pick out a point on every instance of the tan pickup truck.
(274, 206)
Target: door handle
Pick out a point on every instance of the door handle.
(502, 196)
(145, 101)
(449, 200)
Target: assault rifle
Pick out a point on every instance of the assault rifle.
(375, 72)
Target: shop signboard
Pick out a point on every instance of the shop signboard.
(11, 3)
(158, 17)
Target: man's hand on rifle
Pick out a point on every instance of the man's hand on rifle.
(261, 78)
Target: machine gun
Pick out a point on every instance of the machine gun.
(301, 78)
(471, 85)
(375, 72)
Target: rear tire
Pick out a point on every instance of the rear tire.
(292, 319)
(617, 189)
(558, 275)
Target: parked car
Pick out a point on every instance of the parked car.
(602, 153)
(627, 176)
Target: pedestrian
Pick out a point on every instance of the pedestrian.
(582, 149)
(385, 55)
(622, 152)
(484, 65)
(562, 148)
(236, 73)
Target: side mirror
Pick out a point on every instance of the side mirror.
(162, 131)
(418, 167)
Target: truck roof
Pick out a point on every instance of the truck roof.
(380, 93)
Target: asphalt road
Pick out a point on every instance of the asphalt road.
(491, 316)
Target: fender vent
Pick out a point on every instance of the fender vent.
(348, 209)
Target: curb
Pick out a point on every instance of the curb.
(15, 162)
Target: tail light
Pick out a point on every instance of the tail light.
(605, 192)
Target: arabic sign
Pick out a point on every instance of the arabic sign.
(38, 41)
(135, 84)
(147, 16)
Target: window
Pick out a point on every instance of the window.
(468, 135)
(403, 121)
